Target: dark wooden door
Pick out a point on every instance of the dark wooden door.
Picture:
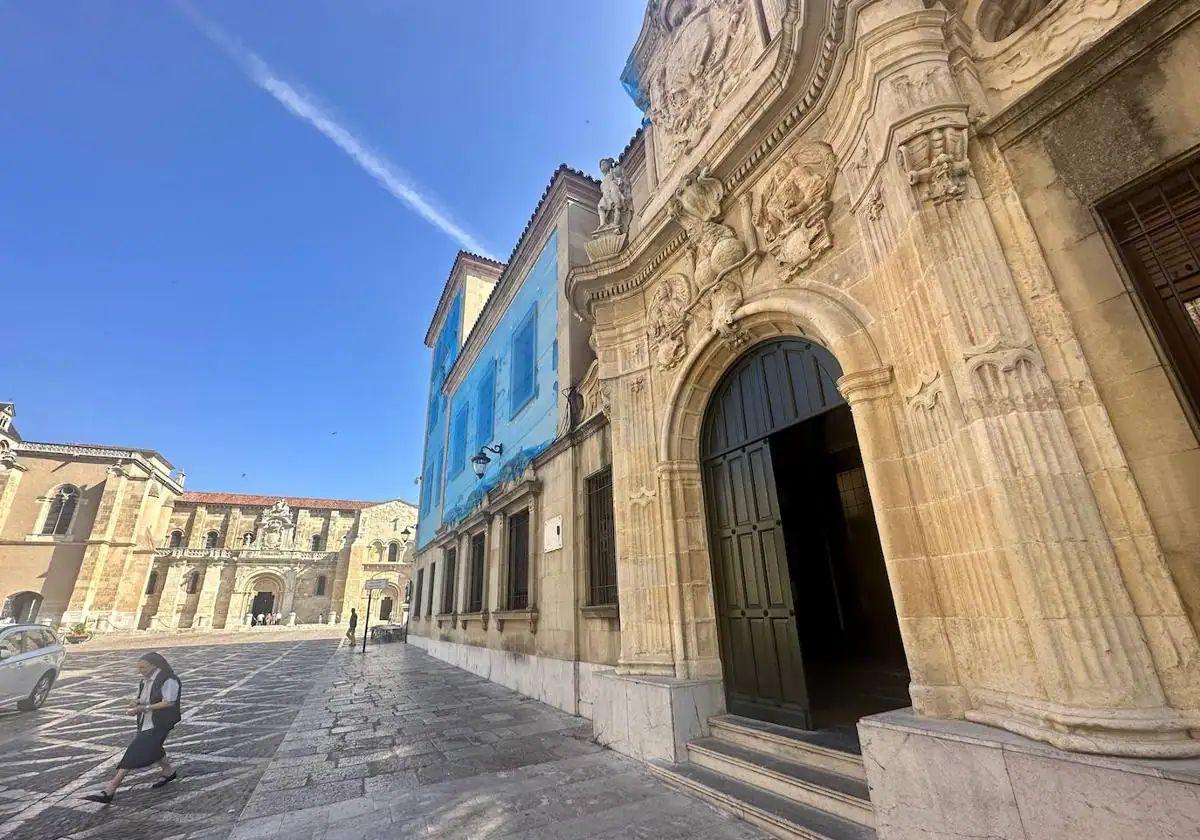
(764, 672)
(774, 386)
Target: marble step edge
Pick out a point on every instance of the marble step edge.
(775, 814)
(816, 787)
(788, 744)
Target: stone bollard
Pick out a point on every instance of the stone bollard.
(247, 618)
(291, 619)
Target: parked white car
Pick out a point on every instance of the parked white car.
(31, 658)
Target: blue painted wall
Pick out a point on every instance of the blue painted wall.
(523, 430)
(445, 351)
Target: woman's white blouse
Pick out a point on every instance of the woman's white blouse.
(170, 691)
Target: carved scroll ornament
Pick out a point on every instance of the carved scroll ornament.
(794, 214)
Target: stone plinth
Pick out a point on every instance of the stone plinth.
(953, 779)
(653, 717)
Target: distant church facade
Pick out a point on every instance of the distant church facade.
(108, 537)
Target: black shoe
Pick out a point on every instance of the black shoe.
(165, 781)
(103, 797)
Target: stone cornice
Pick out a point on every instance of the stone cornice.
(567, 187)
(464, 261)
(107, 453)
(1144, 31)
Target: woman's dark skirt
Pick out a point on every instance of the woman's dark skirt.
(146, 749)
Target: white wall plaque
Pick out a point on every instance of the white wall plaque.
(552, 537)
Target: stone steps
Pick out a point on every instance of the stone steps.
(839, 795)
(775, 814)
(827, 750)
(792, 783)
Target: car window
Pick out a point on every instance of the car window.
(40, 638)
(13, 643)
(48, 638)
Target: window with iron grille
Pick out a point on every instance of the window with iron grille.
(517, 589)
(1158, 233)
(476, 573)
(416, 603)
(602, 546)
(448, 580)
(432, 586)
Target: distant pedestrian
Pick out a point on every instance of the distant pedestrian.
(157, 712)
(279, 618)
(262, 619)
(353, 626)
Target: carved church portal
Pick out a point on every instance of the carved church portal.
(807, 625)
(264, 604)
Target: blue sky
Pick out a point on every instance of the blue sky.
(187, 265)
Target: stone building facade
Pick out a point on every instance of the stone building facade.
(895, 307)
(108, 537)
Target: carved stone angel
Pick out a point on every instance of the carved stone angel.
(717, 247)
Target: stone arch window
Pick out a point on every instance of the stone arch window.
(248, 538)
(61, 511)
(193, 583)
(393, 555)
(176, 539)
(1000, 18)
(315, 542)
(152, 582)
(320, 584)
(376, 552)
(211, 539)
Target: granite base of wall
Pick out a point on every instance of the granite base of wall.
(565, 685)
(653, 717)
(943, 779)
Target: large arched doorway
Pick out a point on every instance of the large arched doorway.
(807, 625)
(266, 596)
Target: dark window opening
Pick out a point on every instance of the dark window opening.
(475, 590)
(416, 602)
(61, 511)
(320, 584)
(518, 561)
(602, 549)
(1158, 233)
(152, 583)
(448, 580)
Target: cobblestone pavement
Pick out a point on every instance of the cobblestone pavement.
(397, 744)
(239, 700)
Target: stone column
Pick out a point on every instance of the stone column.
(206, 607)
(10, 481)
(1039, 611)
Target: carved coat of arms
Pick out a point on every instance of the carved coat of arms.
(703, 52)
(276, 525)
(794, 214)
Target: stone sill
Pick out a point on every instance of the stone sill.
(609, 612)
(450, 616)
(481, 617)
(530, 615)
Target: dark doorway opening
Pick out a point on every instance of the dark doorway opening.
(807, 624)
(854, 660)
(264, 604)
(385, 609)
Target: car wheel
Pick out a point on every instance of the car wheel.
(39, 694)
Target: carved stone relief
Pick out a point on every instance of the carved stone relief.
(794, 214)
(702, 54)
(935, 162)
(669, 304)
(615, 210)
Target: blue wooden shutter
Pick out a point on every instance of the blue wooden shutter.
(485, 402)
(524, 361)
(458, 441)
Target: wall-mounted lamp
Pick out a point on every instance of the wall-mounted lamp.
(480, 459)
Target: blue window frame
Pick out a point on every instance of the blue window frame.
(523, 386)
(458, 440)
(485, 406)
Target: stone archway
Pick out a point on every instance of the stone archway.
(264, 594)
(823, 316)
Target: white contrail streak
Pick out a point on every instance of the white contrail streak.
(303, 106)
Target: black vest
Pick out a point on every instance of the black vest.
(168, 717)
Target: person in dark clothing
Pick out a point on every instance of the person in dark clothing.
(353, 626)
(157, 712)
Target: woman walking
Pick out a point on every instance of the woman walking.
(157, 712)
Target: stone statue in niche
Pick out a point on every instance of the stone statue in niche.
(703, 51)
(670, 304)
(794, 214)
(615, 210)
(936, 163)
